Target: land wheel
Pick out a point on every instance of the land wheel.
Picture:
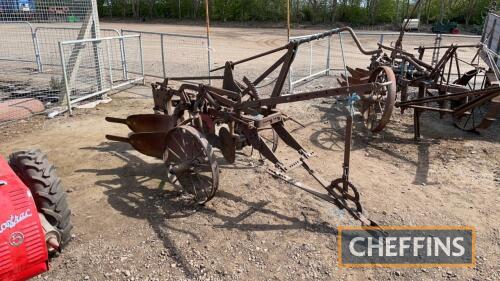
(35, 171)
(477, 115)
(470, 122)
(191, 163)
(377, 107)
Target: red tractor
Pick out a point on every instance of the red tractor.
(34, 215)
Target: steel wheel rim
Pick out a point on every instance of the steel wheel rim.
(186, 147)
(472, 121)
(377, 108)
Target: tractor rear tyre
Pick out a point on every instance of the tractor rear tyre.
(33, 168)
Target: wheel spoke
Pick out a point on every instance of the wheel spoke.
(201, 183)
(203, 168)
(467, 121)
(201, 177)
(194, 187)
(380, 107)
(473, 118)
(179, 145)
(173, 152)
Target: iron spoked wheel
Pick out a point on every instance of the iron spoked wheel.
(377, 107)
(191, 163)
(270, 138)
(472, 121)
(349, 197)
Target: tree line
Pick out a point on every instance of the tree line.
(353, 12)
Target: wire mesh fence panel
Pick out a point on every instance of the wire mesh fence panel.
(61, 20)
(94, 66)
(132, 56)
(345, 51)
(30, 67)
(244, 45)
(311, 58)
(491, 40)
(16, 45)
(182, 51)
(314, 58)
(44, 11)
(152, 48)
(48, 38)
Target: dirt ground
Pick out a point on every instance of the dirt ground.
(234, 43)
(130, 223)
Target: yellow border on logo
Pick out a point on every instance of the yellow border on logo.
(406, 265)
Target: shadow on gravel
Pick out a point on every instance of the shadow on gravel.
(129, 193)
(259, 207)
(333, 138)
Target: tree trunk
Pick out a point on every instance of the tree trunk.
(372, 11)
(179, 9)
(427, 11)
(152, 9)
(297, 9)
(333, 10)
(470, 11)
(396, 19)
(441, 12)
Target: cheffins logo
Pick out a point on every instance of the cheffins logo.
(14, 220)
(407, 246)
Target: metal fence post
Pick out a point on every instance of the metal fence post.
(37, 50)
(108, 50)
(209, 54)
(435, 53)
(65, 75)
(310, 58)
(328, 55)
(142, 59)
(123, 58)
(381, 38)
(163, 56)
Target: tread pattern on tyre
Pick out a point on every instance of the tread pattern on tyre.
(34, 169)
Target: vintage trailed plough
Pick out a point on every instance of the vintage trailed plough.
(472, 97)
(193, 118)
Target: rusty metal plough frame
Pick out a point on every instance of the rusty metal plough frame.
(471, 106)
(194, 118)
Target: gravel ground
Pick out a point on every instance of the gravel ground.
(131, 224)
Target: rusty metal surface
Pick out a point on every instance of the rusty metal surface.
(476, 108)
(145, 122)
(470, 105)
(235, 116)
(191, 163)
(377, 108)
